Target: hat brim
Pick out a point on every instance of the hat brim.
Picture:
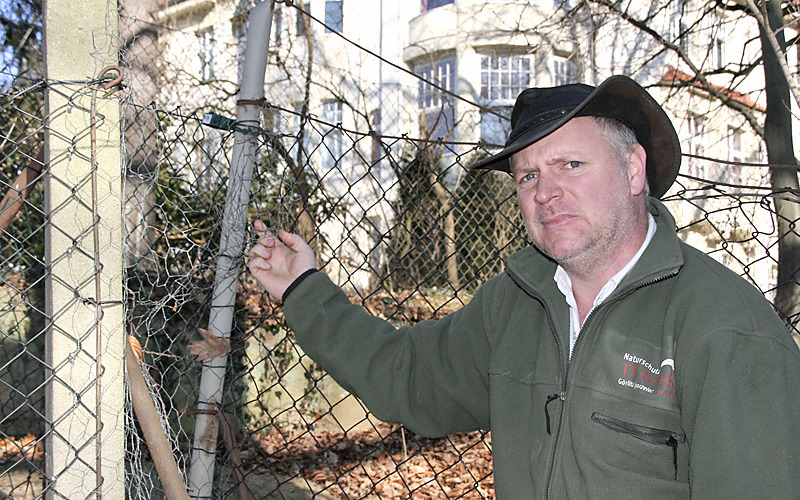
(622, 98)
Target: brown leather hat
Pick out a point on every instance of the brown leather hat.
(540, 111)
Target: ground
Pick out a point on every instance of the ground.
(23, 481)
(383, 461)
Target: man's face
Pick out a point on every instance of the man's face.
(581, 208)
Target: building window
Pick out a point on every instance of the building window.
(277, 21)
(334, 16)
(494, 129)
(303, 21)
(377, 145)
(697, 131)
(240, 33)
(735, 153)
(505, 76)
(432, 4)
(565, 71)
(677, 24)
(332, 134)
(206, 54)
(715, 28)
(272, 120)
(437, 108)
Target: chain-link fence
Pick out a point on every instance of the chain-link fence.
(398, 220)
(22, 319)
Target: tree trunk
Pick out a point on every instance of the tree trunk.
(778, 138)
(305, 223)
(445, 204)
(140, 52)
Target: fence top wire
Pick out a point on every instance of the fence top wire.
(250, 128)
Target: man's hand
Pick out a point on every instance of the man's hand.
(277, 262)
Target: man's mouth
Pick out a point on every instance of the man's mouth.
(556, 220)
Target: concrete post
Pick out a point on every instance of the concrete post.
(83, 252)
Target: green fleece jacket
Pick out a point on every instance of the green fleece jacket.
(683, 384)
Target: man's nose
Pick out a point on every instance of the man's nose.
(547, 188)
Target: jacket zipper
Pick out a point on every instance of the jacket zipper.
(650, 435)
(563, 398)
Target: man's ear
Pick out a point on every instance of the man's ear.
(637, 169)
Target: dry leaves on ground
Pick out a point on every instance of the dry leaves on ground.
(403, 307)
(29, 446)
(376, 460)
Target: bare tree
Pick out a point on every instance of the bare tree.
(780, 151)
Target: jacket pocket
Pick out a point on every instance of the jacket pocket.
(648, 434)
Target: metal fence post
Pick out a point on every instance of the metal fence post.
(83, 253)
(231, 245)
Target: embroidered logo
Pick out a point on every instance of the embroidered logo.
(640, 374)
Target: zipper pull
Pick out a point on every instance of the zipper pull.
(550, 399)
(562, 396)
(671, 441)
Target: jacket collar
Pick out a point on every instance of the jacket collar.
(663, 256)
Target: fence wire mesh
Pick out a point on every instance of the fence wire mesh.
(22, 316)
(398, 220)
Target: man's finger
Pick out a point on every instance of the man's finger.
(260, 251)
(264, 235)
(259, 263)
(260, 227)
(266, 240)
(292, 240)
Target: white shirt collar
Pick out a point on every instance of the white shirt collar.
(565, 285)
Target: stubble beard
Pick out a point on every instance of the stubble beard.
(599, 248)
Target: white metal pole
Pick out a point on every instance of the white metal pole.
(231, 247)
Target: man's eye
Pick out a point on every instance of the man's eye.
(529, 176)
(573, 164)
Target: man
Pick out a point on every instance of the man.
(612, 360)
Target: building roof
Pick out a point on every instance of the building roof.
(673, 76)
